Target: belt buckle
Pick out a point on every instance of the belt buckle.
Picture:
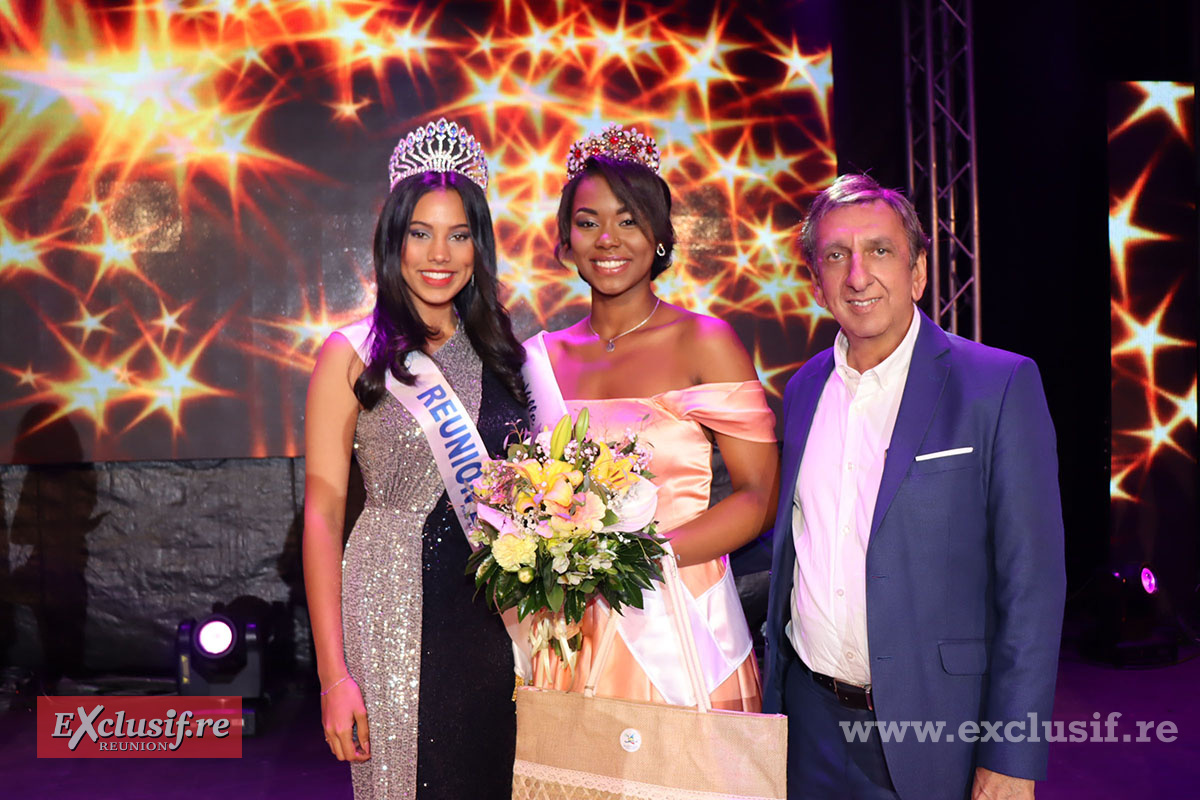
(866, 690)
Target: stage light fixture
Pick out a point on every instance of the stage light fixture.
(219, 656)
(215, 637)
(1133, 625)
(1149, 581)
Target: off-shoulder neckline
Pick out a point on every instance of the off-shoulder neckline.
(693, 387)
(541, 337)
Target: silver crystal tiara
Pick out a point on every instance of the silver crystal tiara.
(438, 147)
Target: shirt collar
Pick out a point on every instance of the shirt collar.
(891, 369)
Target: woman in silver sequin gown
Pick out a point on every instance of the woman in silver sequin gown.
(416, 677)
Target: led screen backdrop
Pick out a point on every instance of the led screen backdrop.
(1155, 320)
(190, 188)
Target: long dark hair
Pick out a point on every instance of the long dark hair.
(640, 190)
(397, 325)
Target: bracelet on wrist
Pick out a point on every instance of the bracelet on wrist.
(335, 684)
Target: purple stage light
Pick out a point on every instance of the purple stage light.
(215, 637)
(1149, 581)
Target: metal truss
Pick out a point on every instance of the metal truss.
(939, 80)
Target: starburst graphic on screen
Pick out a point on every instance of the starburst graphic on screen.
(1153, 333)
(149, 241)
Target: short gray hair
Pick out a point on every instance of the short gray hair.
(851, 190)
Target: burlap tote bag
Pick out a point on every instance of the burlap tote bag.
(573, 746)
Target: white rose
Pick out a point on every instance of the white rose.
(635, 507)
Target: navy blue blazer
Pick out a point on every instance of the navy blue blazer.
(965, 575)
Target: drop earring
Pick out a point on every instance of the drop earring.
(660, 250)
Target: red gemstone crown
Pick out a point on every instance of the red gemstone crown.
(613, 142)
(439, 147)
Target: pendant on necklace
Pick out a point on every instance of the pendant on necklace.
(612, 345)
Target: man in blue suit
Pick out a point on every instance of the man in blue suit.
(917, 580)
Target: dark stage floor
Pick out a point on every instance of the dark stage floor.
(290, 760)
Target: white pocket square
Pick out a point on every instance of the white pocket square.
(957, 451)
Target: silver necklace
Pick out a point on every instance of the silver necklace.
(611, 344)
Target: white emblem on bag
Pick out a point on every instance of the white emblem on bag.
(631, 740)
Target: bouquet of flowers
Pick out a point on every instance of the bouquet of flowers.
(561, 519)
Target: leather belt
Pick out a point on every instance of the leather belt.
(850, 695)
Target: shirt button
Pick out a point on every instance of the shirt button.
(850, 466)
(841, 592)
(846, 529)
(849, 656)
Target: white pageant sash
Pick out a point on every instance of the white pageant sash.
(546, 404)
(453, 437)
(718, 624)
(455, 443)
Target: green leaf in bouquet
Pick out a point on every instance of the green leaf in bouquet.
(529, 604)
(637, 573)
(505, 583)
(517, 450)
(489, 596)
(554, 597)
(641, 581)
(487, 575)
(476, 558)
(573, 606)
(612, 593)
(479, 584)
(610, 518)
(635, 600)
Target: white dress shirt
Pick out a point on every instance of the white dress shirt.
(833, 505)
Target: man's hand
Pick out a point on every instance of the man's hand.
(995, 786)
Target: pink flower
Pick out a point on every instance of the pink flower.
(503, 525)
(583, 518)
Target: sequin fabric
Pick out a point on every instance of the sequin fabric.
(466, 722)
(382, 589)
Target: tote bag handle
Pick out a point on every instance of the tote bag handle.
(676, 600)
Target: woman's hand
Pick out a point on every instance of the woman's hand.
(343, 714)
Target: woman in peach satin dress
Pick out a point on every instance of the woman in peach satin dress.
(684, 382)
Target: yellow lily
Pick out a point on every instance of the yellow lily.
(558, 495)
(526, 501)
(615, 473)
(542, 476)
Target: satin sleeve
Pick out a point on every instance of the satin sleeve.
(737, 409)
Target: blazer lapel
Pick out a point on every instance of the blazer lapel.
(926, 377)
(804, 406)
(800, 416)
